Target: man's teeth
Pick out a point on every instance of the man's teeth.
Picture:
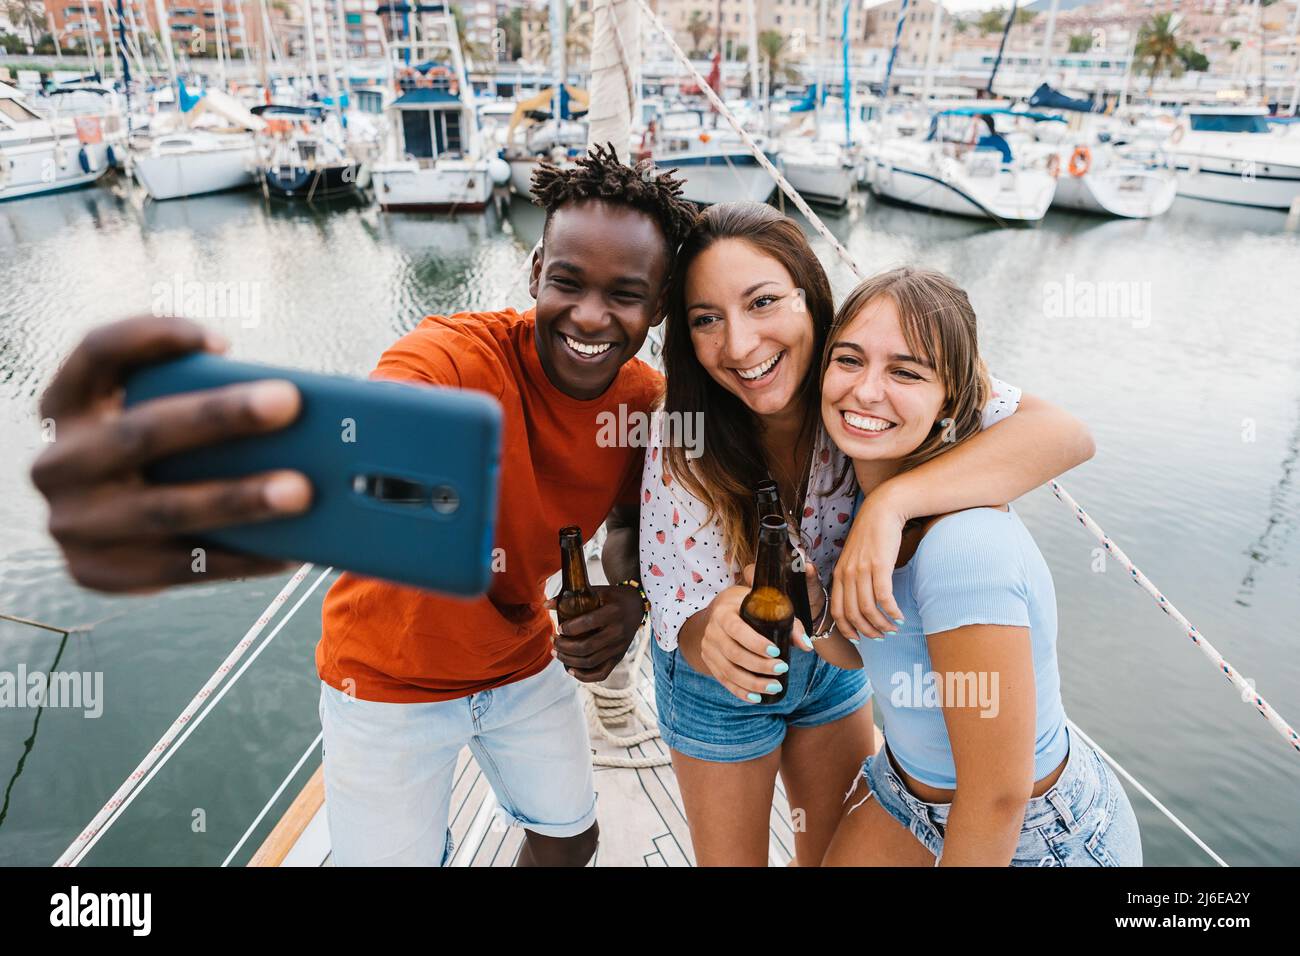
(583, 349)
(758, 371)
(867, 424)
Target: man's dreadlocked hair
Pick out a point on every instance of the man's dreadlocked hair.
(600, 175)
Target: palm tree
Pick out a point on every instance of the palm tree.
(475, 51)
(1158, 42)
(26, 13)
(773, 46)
(698, 29)
(577, 36)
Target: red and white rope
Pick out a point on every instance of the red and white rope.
(753, 146)
(1248, 693)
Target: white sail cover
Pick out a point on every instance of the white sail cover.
(615, 62)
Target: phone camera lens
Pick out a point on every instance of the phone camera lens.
(445, 499)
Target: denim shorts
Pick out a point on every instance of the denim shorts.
(701, 718)
(1085, 819)
(390, 768)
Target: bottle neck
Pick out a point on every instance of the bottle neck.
(770, 562)
(768, 503)
(574, 567)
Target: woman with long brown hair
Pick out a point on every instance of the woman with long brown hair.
(979, 767)
(749, 312)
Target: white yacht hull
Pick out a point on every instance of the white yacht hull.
(941, 184)
(1127, 192)
(521, 173)
(34, 169)
(718, 177)
(1240, 182)
(196, 172)
(447, 185)
(821, 182)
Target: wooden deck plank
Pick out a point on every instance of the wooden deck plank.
(642, 817)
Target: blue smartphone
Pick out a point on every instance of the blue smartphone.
(404, 477)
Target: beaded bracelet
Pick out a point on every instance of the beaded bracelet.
(645, 601)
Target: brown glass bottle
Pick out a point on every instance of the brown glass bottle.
(576, 597)
(767, 607)
(767, 499)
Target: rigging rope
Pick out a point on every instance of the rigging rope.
(1248, 692)
(124, 794)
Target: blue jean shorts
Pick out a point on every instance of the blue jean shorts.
(1085, 819)
(701, 718)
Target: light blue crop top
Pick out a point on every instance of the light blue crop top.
(972, 567)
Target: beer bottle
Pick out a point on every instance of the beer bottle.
(767, 608)
(767, 499)
(576, 596)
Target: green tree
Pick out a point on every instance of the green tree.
(773, 47)
(475, 51)
(992, 21)
(576, 42)
(1193, 59)
(1158, 44)
(1080, 43)
(1024, 15)
(27, 14)
(512, 30)
(698, 28)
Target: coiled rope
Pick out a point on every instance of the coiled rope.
(609, 705)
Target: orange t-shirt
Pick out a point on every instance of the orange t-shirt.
(388, 642)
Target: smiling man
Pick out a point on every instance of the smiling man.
(409, 677)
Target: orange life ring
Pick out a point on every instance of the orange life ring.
(1054, 165)
(1080, 161)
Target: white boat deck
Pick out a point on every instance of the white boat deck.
(642, 822)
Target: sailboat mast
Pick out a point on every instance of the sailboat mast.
(932, 50)
(164, 28)
(341, 17)
(309, 36)
(820, 71)
(893, 53)
(218, 13)
(1006, 31)
(559, 60)
(615, 53)
(752, 24)
(848, 80)
(1045, 65)
(332, 81)
(1295, 38)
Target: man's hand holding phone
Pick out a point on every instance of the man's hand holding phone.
(118, 532)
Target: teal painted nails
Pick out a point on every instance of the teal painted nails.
(854, 641)
(898, 621)
(753, 698)
(774, 688)
(773, 651)
(781, 667)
